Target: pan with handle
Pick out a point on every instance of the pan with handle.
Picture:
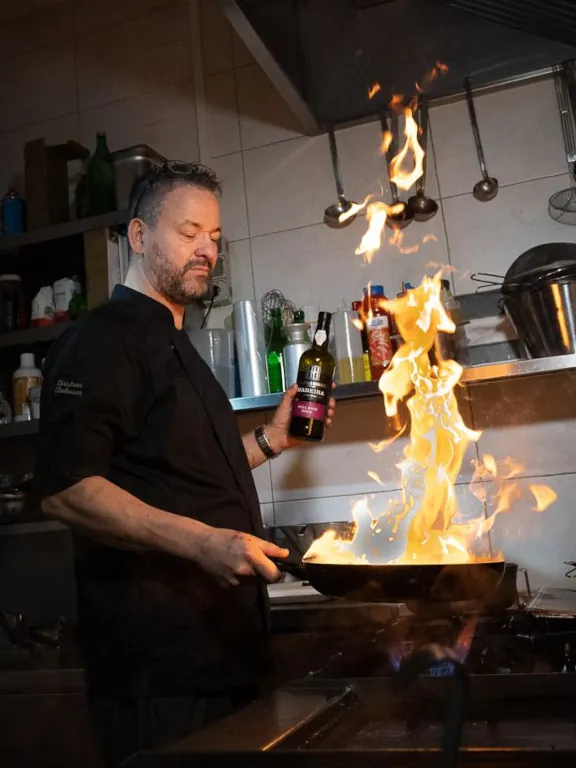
(437, 582)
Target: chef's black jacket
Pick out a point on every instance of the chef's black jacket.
(127, 397)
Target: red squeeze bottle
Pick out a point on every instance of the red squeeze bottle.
(378, 330)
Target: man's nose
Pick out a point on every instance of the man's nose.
(208, 249)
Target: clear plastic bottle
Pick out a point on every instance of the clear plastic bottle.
(24, 378)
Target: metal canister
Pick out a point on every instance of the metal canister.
(250, 349)
(298, 343)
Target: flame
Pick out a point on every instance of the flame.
(544, 496)
(406, 179)
(423, 525)
(386, 141)
(429, 77)
(373, 90)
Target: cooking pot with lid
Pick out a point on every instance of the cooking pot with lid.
(541, 304)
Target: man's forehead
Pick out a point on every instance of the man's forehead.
(192, 204)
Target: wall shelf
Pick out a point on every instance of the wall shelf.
(478, 374)
(23, 529)
(32, 336)
(19, 429)
(59, 231)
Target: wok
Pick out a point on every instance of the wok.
(438, 583)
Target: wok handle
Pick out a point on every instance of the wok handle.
(289, 566)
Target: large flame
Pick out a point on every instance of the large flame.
(424, 525)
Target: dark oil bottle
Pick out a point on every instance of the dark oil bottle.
(315, 375)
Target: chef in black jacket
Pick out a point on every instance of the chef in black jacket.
(141, 455)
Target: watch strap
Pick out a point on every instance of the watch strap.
(264, 443)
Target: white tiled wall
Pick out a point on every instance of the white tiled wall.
(125, 67)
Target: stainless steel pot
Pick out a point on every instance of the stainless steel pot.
(544, 312)
(130, 166)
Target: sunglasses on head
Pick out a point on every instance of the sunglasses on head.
(168, 169)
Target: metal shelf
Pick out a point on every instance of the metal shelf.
(342, 392)
(478, 374)
(19, 429)
(32, 336)
(59, 231)
(23, 529)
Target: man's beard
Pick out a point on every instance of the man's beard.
(171, 282)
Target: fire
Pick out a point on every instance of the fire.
(424, 525)
(406, 179)
(544, 496)
(373, 90)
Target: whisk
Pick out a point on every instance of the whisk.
(562, 205)
(276, 300)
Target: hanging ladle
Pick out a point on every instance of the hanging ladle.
(486, 189)
(422, 208)
(334, 212)
(403, 217)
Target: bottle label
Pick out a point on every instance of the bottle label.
(378, 329)
(313, 394)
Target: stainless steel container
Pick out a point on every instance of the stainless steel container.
(544, 313)
(298, 343)
(130, 166)
(250, 349)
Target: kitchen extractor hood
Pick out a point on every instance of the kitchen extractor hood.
(322, 55)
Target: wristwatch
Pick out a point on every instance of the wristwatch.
(264, 443)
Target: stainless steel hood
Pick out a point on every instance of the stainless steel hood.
(323, 54)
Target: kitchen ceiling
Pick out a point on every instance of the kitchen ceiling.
(323, 54)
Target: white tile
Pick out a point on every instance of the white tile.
(488, 237)
(267, 512)
(521, 135)
(164, 119)
(12, 146)
(242, 55)
(233, 204)
(241, 272)
(540, 541)
(44, 88)
(247, 423)
(216, 39)
(35, 30)
(317, 265)
(91, 15)
(531, 420)
(110, 70)
(223, 120)
(264, 115)
(288, 184)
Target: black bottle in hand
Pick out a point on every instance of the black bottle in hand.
(315, 375)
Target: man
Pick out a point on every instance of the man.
(140, 454)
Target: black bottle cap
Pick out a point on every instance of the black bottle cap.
(324, 320)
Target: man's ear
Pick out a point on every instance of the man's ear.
(136, 236)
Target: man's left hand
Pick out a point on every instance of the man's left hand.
(278, 431)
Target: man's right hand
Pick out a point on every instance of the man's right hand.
(231, 555)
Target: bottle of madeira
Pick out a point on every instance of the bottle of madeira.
(315, 375)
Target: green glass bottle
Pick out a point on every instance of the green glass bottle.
(101, 179)
(274, 356)
(315, 376)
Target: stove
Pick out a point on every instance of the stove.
(489, 690)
